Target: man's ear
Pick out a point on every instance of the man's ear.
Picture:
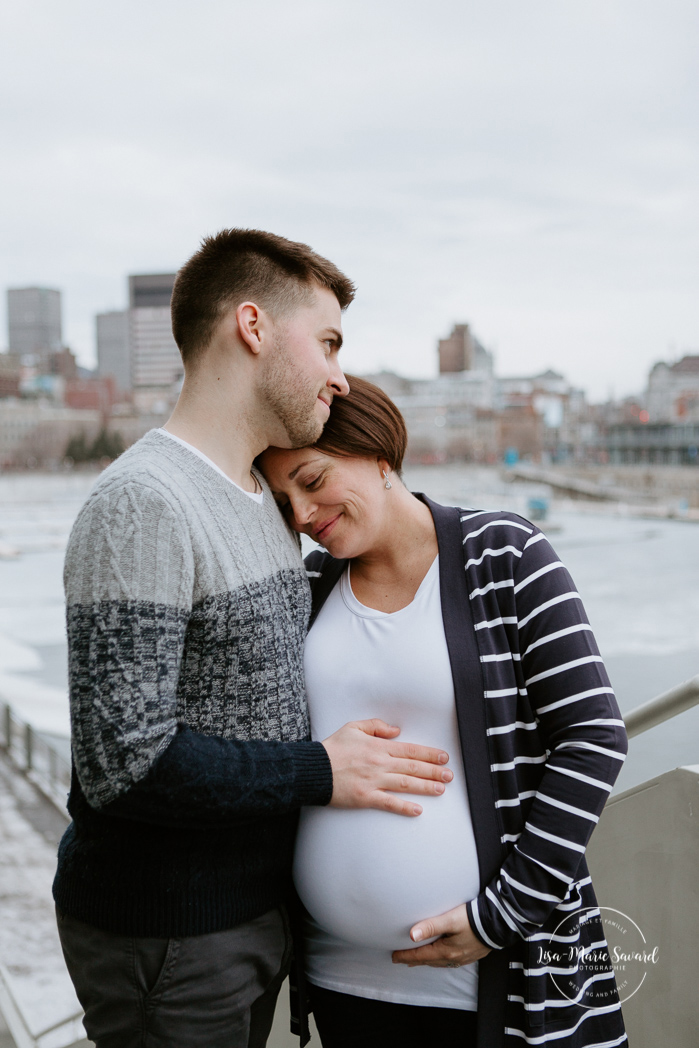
(250, 320)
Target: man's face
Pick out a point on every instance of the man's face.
(302, 374)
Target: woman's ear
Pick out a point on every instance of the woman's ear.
(385, 471)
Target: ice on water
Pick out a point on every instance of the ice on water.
(36, 515)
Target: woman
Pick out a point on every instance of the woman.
(463, 628)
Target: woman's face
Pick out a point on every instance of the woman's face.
(342, 503)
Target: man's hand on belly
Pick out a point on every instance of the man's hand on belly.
(367, 763)
(456, 945)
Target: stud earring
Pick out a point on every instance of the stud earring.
(388, 484)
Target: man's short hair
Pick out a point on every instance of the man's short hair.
(237, 265)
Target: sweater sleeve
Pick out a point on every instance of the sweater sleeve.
(129, 581)
(581, 726)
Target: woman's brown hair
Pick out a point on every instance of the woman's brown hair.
(365, 423)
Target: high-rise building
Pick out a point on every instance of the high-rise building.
(457, 352)
(462, 352)
(34, 323)
(156, 364)
(113, 349)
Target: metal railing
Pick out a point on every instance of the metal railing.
(663, 707)
(36, 756)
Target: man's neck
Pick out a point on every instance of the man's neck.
(219, 428)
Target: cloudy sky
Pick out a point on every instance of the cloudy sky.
(528, 166)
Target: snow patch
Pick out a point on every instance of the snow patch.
(29, 943)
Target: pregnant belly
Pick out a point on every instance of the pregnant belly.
(367, 877)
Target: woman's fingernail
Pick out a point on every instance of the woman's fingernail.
(417, 809)
(443, 758)
(417, 935)
(447, 775)
(439, 787)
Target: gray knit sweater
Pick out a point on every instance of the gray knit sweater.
(187, 608)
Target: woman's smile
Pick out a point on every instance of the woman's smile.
(323, 530)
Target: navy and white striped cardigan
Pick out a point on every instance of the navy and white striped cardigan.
(542, 742)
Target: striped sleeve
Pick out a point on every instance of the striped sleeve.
(581, 728)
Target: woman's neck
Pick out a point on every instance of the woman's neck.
(388, 576)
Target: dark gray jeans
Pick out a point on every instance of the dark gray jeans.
(213, 991)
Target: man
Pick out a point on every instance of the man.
(187, 606)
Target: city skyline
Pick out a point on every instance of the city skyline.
(118, 332)
(427, 366)
(51, 410)
(532, 169)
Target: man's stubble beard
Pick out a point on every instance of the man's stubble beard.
(290, 399)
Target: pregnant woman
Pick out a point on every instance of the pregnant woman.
(463, 628)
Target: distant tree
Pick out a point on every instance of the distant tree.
(118, 445)
(77, 448)
(106, 445)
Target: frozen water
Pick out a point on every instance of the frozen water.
(36, 515)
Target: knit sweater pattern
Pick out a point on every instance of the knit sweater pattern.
(187, 609)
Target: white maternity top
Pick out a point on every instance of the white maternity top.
(366, 877)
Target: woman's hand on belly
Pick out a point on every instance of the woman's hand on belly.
(456, 945)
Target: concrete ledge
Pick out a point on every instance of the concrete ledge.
(644, 861)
